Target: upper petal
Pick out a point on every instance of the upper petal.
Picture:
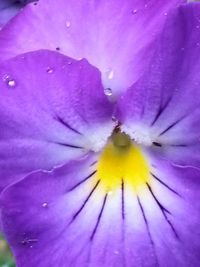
(113, 35)
(164, 106)
(52, 109)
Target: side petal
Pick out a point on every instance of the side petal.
(64, 218)
(113, 35)
(163, 108)
(52, 109)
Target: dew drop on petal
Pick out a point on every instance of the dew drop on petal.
(134, 11)
(68, 23)
(49, 70)
(11, 83)
(165, 14)
(45, 205)
(108, 91)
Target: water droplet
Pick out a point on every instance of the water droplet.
(68, 23)
(45, 205)
(165, 14)
(108, 91)
(198, 26)
(116, 252)
(11, 83)
(146, 5)
(49, 70)
(134, 11)
(27, 241)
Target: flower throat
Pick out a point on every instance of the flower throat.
(122, 161)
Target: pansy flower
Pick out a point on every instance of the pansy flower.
(92, 179)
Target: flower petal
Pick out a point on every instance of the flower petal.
(164, 106)
(64, 218)
(52, 109)
(8, 9)
(113, 35)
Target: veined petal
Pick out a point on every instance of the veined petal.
(113, 35)
(74, 222)
(52, 109)
(163, 108)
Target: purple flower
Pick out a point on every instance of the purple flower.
(85, 180)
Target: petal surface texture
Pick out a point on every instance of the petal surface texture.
(52, 109)
(113, 35)
(163, 107)
(66, 218)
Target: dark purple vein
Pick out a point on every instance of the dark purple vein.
(163, 210)
(82, 181)
(99, 218)
(167, 186)
(161, 110)
(69, 145)
(123, 206)
(67, 125)
(148, 229)
(85, 202)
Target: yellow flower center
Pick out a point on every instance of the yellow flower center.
(122, 161)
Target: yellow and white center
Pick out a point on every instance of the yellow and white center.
(122, 160)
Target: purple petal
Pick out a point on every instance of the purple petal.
(163, 108)
(113, 35)
(64, 218)
(52, 109)
(9, 8)
(7, 11)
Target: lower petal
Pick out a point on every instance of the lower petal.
(66, 218)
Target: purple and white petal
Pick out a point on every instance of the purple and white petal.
(113, 35)
(163, 107)
(65, 218)
(52, 109)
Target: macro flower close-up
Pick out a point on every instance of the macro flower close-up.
(100, 133)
